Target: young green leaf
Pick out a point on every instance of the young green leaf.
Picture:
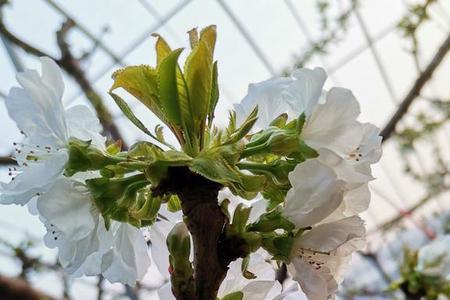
(129, 113)
(162, 48)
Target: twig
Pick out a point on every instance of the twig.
(130, 292)
(6, 160)
(100, 290)
(72, 66)
(423, 78)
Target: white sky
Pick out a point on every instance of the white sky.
(273, 28)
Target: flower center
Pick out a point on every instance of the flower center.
(312, 257)
(355, 155)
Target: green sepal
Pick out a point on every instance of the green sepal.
(270, 221)
(115, 197)
(114, 148)
(150, 159)
(146, 207)
(83, 156)
(279, 121)
(238, 134)
(237, 233)
(280, 246)
(174, 203)
(233, 296)
(244, 268)
(283, 141)
(218, 164)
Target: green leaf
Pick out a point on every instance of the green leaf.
(161, 47)
(209, 36)
(141, 82)
(168, 87)
(214, 94)
(198, 74)
(193, 37)
(129, 113)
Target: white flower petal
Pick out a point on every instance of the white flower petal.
(315, 285)
(68, 206)
(315, 194)
(261, 290)
(333, 125)
(128, 260)
(235, 282)
(267, 96)
(334, 236)
(160, 254)
(303, 93)
(291, 291)
(37, 110)
(83, 124)
(344, 169)
(37, 178)
(52, 77)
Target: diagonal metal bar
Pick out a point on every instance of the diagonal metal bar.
(155, 14)
(360, 49)
(307, 33)
(376, 56)
(85, 31)
(145, 35)
(247, 36)
(137, 42)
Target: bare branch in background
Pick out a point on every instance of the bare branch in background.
(14, 288)
(71, 65)
(423, 78)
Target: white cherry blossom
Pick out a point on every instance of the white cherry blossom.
(37, 109)
(315, 194)
(319, 256)
(85, 247)
(331, 117)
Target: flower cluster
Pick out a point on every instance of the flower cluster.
(284, 183)
(64, 204)
(328, 191)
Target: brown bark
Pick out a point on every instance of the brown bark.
(205, 221)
